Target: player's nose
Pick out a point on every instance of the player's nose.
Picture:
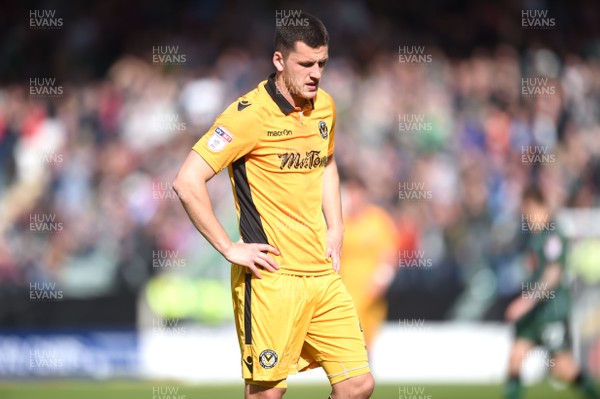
(315, 73)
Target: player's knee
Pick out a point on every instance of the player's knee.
(368, 386)
(360, 387)
(275, 393)
(564, 369)
(514, 364)
(517, 356)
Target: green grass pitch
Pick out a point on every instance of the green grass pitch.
(56, 389)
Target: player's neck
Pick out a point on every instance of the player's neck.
(298, 102)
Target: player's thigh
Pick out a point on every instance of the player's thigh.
(253, 391)
(360, 386)
(272, 320)
(334, 337)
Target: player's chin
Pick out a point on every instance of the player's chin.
(310, 92)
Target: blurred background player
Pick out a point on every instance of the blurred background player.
(541, 312)
(369, 255)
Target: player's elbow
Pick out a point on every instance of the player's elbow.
(181, 186)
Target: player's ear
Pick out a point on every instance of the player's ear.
(278, 61)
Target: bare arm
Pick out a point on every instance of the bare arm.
(332, 209)
(190, 186)
(549, 280)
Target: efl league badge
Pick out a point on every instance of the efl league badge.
(220, 138)
(323, 129)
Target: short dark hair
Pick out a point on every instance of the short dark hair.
(534, 193)
(310, 31)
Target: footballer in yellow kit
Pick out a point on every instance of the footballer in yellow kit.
(292, 311)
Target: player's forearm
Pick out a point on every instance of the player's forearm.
(549, 280)
(332, 207)
(197, 205)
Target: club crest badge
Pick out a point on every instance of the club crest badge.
(323, 129)
(268, 359)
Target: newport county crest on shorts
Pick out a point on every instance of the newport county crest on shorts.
(289, 323)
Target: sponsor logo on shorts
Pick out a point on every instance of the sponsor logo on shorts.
(268, 359)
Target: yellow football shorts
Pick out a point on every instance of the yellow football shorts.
(289, 323)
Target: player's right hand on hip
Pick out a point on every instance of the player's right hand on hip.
(252, 256)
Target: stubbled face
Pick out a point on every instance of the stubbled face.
(302, 69)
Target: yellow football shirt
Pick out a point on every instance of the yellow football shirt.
(275, 154)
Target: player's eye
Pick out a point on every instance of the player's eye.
(322, 64)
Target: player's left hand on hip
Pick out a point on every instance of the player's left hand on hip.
(334, 247)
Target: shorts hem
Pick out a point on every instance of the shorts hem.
(282, 383)
(348, 374)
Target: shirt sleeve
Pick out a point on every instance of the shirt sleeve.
(555, 250)
(331, 147)
(231, 137)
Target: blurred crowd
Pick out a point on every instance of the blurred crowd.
(442, 145)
